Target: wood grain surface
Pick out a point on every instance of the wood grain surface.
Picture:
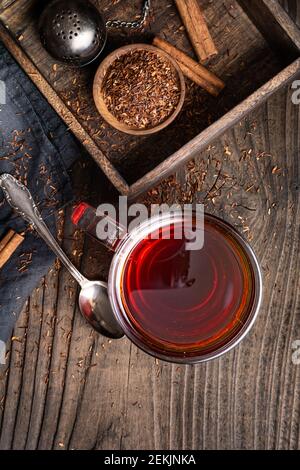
(65, 387)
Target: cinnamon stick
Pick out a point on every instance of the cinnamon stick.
(192, 69)
(189, 73)
(6, 239)
(196, 28)
(199, 20)
(9, 247)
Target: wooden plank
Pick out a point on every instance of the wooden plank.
(275, 24)
(13, 382)
(292, 7)
(5, 4)
(48, 317)
(215, 130)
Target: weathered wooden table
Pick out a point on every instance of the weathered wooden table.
(65, 387)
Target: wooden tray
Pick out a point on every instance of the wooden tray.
(259, 50)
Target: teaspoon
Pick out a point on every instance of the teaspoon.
(94, 303)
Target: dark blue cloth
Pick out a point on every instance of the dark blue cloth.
(37, 148)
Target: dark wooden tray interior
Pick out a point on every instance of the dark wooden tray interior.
(245, 62)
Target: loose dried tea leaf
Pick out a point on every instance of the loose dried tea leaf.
(141, 89)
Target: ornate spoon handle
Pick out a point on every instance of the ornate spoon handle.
(20, 199)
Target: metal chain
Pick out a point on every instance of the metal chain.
(131, 24)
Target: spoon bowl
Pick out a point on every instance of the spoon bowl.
(95, 306)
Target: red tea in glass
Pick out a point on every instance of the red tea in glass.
(179, 304)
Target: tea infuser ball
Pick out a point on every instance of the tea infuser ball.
(72, 31)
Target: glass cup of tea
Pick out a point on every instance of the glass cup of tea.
(180, 304)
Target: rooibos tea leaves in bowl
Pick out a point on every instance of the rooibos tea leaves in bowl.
(139, 89)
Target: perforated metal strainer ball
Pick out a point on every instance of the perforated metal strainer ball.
(72, 31)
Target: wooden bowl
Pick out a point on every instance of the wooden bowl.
(98, 95)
